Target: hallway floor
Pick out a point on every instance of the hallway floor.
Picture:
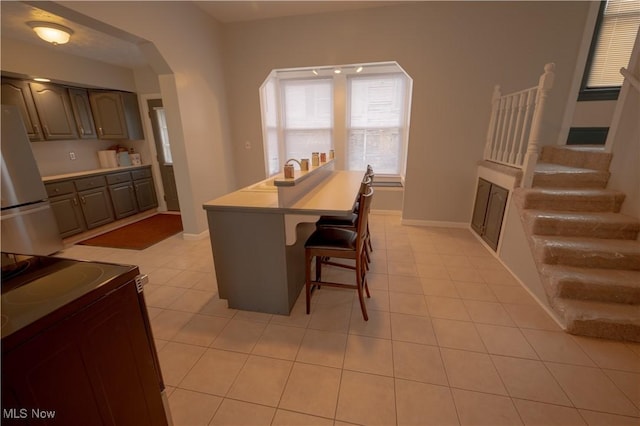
(451, 339)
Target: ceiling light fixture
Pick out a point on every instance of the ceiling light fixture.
(53, 33)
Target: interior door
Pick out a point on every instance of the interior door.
(163, 148)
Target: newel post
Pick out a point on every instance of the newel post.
(533, 146)
(495, 102)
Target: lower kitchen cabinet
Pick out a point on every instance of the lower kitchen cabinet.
(86, 203)
(66, 209)
(124, 200)
(488, 211)
(145, 194)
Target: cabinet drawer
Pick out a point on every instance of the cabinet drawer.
(59, 188)
(90, 182)
(118, 178)
(141, 173)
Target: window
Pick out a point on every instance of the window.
(613, 39)
(164, 135)
(359, 111)
(307, 117)
(376, 123)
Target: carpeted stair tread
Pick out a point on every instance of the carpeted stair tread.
(587, 252)
(582, 157)
(582, 224)
(599, 319)
(605, 285)
(561, 176)
(584, 200)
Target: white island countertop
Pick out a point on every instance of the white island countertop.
(334, 195)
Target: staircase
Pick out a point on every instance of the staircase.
(586, 251)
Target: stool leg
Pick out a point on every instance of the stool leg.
(359, 283)
(307, 281)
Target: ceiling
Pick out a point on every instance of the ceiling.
(121, 50)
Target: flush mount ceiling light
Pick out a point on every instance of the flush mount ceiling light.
(53, 33)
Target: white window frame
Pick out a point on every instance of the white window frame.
(340, 129)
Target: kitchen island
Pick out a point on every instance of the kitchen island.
(258, 234)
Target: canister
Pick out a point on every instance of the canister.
(304, 164)
(323, 157)
(288, 171)
(315, 159)
(332, 154)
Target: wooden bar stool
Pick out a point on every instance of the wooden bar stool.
(331, 242)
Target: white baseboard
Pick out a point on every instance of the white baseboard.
(193, 237)
(434, 223)
(386, 212)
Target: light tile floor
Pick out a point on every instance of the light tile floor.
(452, 339)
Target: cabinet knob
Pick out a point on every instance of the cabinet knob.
(81, 129)
(83, 200)
(46, 130)
(100, 130)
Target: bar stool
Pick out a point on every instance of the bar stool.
(331, 242)
(350, 221)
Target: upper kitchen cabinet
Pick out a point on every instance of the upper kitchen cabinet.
(82, 113)
(54, 110)
(17, 92)
(116, 114)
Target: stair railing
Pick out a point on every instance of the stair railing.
(514, 134)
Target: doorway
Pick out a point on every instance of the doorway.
(163, 149)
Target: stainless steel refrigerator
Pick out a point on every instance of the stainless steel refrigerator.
(28, 223)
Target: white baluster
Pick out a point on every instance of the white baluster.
(533, 148)
(510, 145)
(489, 148)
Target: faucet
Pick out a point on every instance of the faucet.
(293, 159)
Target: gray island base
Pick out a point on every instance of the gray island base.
(258, 235)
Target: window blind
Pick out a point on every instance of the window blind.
(376, 117)
(617, 34)
(308, 116)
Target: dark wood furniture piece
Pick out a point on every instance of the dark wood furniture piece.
(77, 347)
(488, 211)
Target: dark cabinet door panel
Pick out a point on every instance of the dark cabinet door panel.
(124, 199)
(17, 92)
(145, 194)
(54, 109)
(68, 214)
(96, 207)
(82, 113)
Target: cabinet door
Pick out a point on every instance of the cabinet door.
(480, 206)
(145, 194)
(124, 199)
(54, 109)
(96, 207)
(94, 368)
(68, 213)
(17, 92)
(82, 113)
(495, 212)
(132, 115)
(108, 113)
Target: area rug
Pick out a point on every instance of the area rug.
(139, 235)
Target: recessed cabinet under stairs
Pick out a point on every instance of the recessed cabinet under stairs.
(488, 211)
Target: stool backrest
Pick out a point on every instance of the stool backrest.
(363, 216)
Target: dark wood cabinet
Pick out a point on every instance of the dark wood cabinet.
(116, 115)
(95, 365)
(82, 113)
(17, 92)
(54, 110)
(488, 211)
(96, 207)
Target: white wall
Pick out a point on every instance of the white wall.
(195, 103)
(454, 51)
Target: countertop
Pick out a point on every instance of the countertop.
(334, 195)
(91, 172)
